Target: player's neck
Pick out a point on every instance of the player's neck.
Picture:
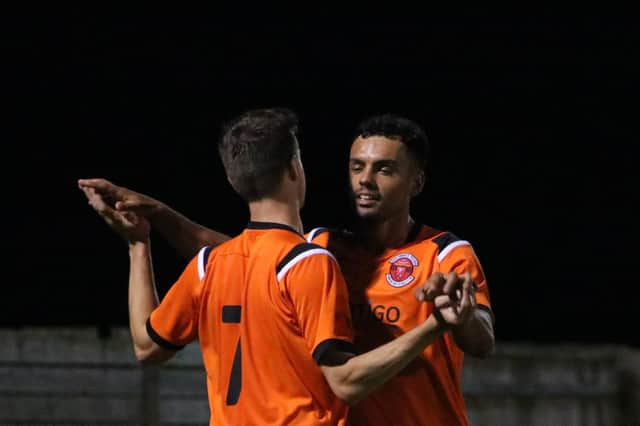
(377, 237)
(276, 211)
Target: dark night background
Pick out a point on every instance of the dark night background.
(530, 119)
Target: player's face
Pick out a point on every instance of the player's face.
(383, 177)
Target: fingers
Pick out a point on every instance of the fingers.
(459, 289)
(419, 294)
(122, 205)
(456, 301)
(467, 289)
(445, 306)
(130, 218)
(110, 192)
(116, 220)
(97, 183)
(95, 200)
(99, 205)
(453, 283)
(119, 198)
(442, 301)
(472, 289)
(134, 204)
(432, 288)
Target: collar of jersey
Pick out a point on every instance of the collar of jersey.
(270, 225)
(389, 252)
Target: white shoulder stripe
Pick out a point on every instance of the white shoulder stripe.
(202, 266)
(301, 256)
(450, 247)
(314, 232)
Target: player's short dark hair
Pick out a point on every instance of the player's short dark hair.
(255, 149)
(396, 127)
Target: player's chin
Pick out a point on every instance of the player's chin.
(367, 213)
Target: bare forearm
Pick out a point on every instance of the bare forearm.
(143, 298)
(362, 374)
(186, 236)
(475, 336)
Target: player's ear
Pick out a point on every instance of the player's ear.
(294, 168)
(418, 183)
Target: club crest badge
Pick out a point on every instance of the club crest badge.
(401, 270)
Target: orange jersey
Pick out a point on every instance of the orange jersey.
(381, 288)
(264, 306)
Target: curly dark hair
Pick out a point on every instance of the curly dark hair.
(397, 127)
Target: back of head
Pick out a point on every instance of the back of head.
(399, 128)
(256, 147)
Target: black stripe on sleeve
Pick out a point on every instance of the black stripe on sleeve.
(444, 240)
(318, 231)
(300, 248)
(335, 344)
(159, 340)
(487, 309)
(205, 256)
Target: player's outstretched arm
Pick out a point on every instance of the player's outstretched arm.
(473, 331)
(186, 236)
(143, 297)
(319, 295)
(475, 336)
(353, 377)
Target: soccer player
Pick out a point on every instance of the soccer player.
(269, 309)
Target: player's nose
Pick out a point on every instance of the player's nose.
(367, 178)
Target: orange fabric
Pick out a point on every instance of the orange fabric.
(279, 324)
(428, 391)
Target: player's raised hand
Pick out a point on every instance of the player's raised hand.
(458, 301)
(439, 284)
(432, 288)
(129, 225)
(121, 198)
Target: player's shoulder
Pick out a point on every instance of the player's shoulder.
(203, 257)
(325, 236)
(443, 242)
(303, 254)
(317, 232)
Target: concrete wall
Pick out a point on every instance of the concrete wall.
(74, 377)
(524, 384)
(71, 376)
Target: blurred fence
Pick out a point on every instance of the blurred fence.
(72, 376)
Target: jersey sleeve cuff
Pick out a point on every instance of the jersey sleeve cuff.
(159, 340)
(335, 344)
